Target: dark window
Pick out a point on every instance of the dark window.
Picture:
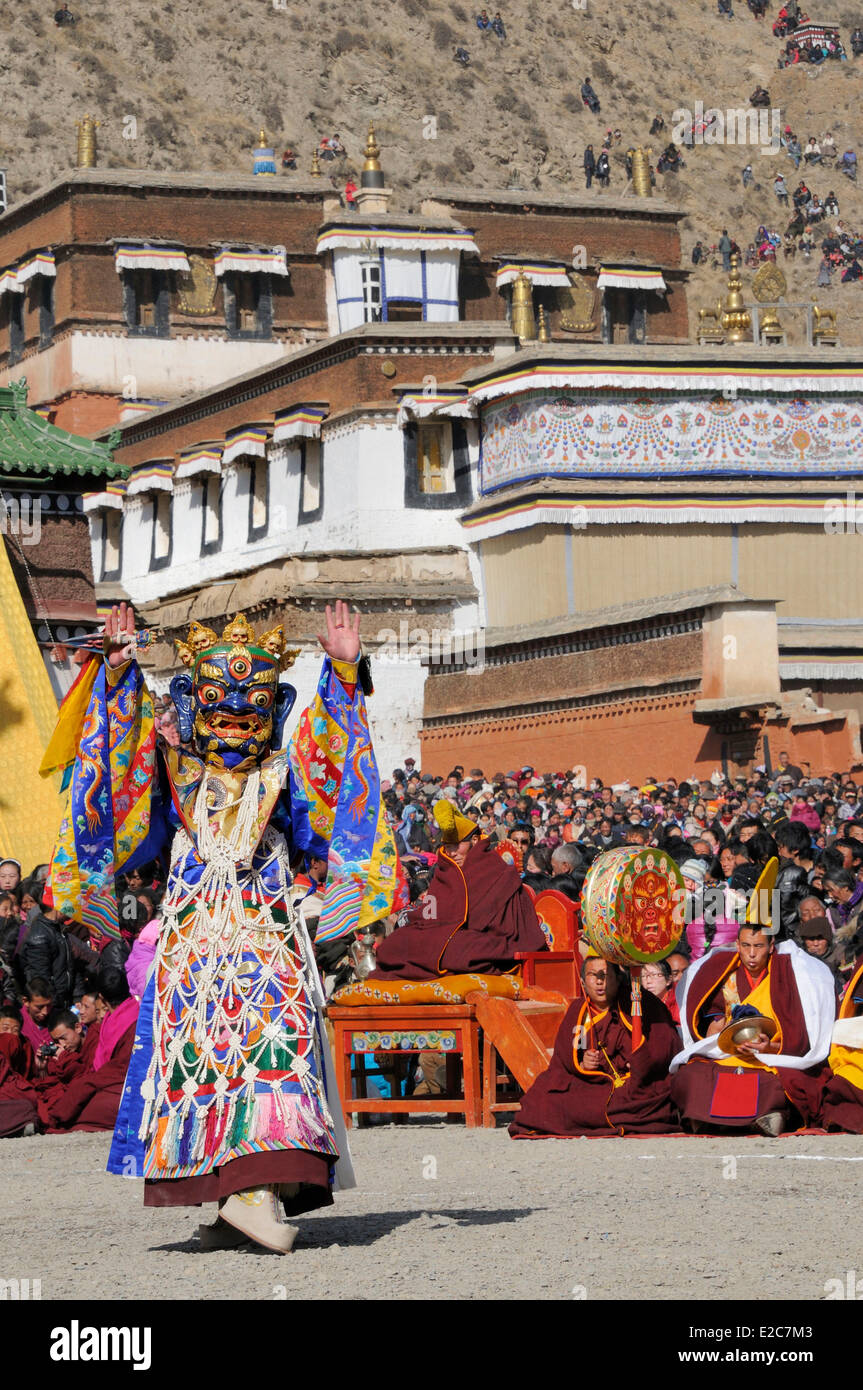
(311, 481)
(160, 550)
(112, 544)
(404, 311)
(259, 499)
(248, 306)
(45, 299)
(16, 328)
(638, 321)
(211, 507)
(624, 316)
(437, 464)
(147, 303)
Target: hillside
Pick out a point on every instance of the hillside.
(200, 81)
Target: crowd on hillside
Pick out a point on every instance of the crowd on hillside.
(840, 247)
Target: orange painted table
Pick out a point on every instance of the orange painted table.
(403, 1030)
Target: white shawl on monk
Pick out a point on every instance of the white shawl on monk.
(817, 997)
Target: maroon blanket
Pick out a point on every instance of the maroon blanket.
(841, 1106)
(472, 918)
(568, 1100)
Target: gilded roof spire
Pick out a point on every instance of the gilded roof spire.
(372, 153)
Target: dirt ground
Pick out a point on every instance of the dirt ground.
(444, 1213)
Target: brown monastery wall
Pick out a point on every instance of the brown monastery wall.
(563, 677)
(630, 739)
(343, 384)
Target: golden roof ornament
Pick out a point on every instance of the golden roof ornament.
(823, 323)
(523, 322)
(86, 153)
(372, 152)
(736, 318)
(543, 335)
(769, 283)
(371, 176)
(264, 158)
(770, 327)
(316, 165)
(578, 305)
(641, 173)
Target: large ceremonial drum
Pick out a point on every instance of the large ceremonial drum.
(632, 905)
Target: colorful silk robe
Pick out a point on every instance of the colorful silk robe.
(230, 1059)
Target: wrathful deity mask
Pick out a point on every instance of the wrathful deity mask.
(232, 705)
(650, 925)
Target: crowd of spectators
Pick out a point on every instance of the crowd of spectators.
(721, 832)
(69, 999)
(62, 1062)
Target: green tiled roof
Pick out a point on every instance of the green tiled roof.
(28, 444)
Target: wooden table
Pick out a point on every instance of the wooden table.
(404, 1030)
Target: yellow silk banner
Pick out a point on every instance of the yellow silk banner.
(29, 807)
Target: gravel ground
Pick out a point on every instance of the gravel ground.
(445, 1213)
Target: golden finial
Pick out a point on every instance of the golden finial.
(641, 173)
(372, 152)
(86, 155)
(316, 166)
(262, 138)
(523, 322)
(543, 335)
(736, 318)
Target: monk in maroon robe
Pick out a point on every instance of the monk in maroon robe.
(91, 1101)
(769, 1083)
(474, 916)
(596, 1083)
(18, 1109)
(75, 1049)
(841, 1102)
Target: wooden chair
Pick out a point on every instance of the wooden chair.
(520, 1034)
(558, 968)
(408, 1029)
(554, 980)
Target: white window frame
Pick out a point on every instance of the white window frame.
(370, 274)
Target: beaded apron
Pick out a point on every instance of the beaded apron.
(238, 1062)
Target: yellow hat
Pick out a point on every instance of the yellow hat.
(454, 826)
(758, 912)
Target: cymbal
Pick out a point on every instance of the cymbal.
(744, 1030)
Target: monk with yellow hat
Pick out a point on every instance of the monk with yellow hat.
(474, 916)
(756, 1020)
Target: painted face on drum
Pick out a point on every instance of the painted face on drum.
(650, 923)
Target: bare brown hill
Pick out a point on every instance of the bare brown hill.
(188, 86)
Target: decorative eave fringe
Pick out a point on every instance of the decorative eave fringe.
(717, 379)
(581, 515)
